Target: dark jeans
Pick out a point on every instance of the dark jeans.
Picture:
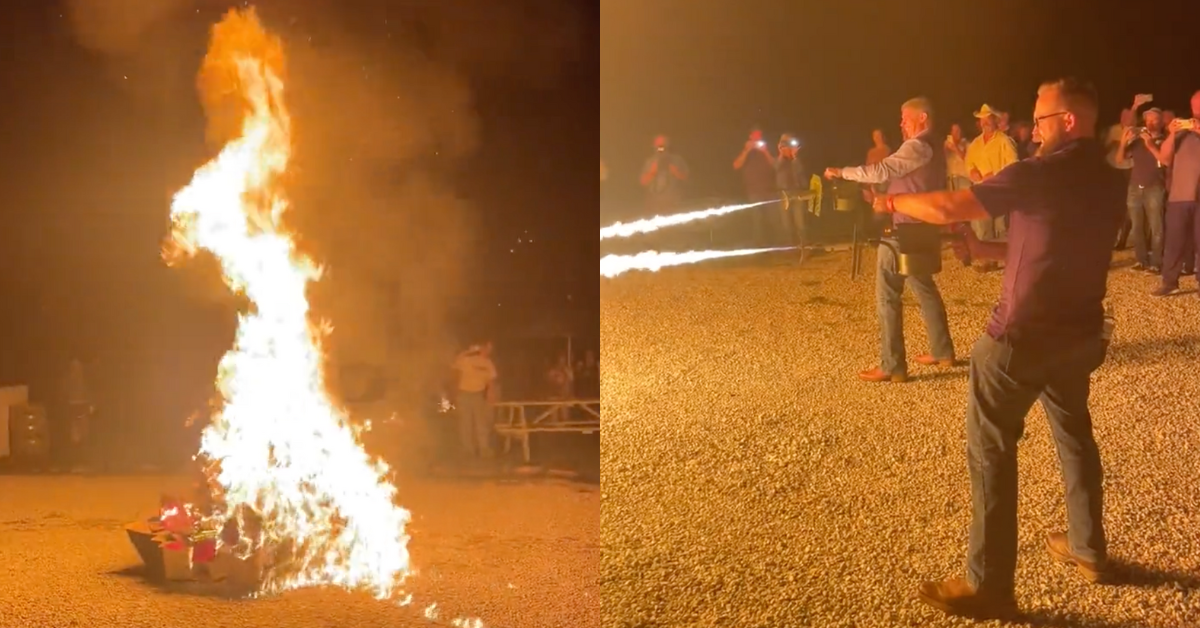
(763, 226)
(1182, 235)
(794, 213)
(1004, 383)
(888, 287)
(1146, 217)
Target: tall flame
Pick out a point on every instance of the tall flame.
(282, 449)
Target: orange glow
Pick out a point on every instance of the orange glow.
(279, 445)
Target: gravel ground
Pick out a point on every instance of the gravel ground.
(750, 480)
(520, 555)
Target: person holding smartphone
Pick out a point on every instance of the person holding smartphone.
(1181, 154)
(757, 168)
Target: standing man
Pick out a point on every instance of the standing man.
(663, 177)
(1112, 141)
(1043, 342)
(791, 178)
(476, 376)
(878, 152)
(758, 178)
(1181, 153)
(919, 165)
(1145, 198)
(957, 176)
(988, 154)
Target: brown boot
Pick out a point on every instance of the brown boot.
(878, 375)
(1060, 550)
(929, 360)
(956, 596)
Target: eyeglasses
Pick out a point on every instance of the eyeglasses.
(1037, 120)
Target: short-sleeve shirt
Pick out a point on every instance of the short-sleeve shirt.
(1185, 168)
(1064, 211)
(1146, 171)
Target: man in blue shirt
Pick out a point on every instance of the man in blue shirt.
(1044, 340)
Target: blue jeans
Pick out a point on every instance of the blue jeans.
(1004, 383)
(888, 287)
(1146, 215)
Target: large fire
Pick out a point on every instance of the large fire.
(281, 449)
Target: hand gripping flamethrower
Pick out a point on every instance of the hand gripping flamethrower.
(918, 246)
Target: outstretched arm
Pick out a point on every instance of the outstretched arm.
(911, 155)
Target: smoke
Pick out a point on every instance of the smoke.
(383, 117)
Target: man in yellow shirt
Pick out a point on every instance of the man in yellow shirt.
(987, 155)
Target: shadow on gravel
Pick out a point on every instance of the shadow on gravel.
(1051, 619)
(216, 590)
(1143, 576)
(933, 376)
(1152, 349)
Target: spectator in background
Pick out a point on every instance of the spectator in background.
(1002, 125)
(758, 179)
(987, 155)
(1026, 147)
(791, 178)
(878, 152)
(79, 409)
(560, 379)
(663, 177)
(476, 377)
(1146, 190)
(1168, 117)
(1112, 140)
(1181, 153)
(956, 159)
(587, 377)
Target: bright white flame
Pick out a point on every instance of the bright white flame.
(613, 265)
(284, 451)
(646, 225)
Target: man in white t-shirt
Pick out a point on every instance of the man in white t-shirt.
(476, 374)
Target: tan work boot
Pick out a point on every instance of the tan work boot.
(1060, 550)
(956, 596)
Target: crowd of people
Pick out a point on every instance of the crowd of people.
(1157, 151)
(1045, 202)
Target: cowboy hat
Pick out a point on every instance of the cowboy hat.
(986, 111)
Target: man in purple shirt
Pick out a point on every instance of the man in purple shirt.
(919, 165)
(1181, 152)
(1043, 342)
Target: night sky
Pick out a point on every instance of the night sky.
(705, 72)
(440, 160)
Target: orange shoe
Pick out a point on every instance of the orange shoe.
(956, 596)
(929, 360)
(1060, 549)
(878, 375)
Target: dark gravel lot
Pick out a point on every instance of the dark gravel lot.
(514, 555)
(750, 480)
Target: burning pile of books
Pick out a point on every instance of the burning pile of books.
(180, 543)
